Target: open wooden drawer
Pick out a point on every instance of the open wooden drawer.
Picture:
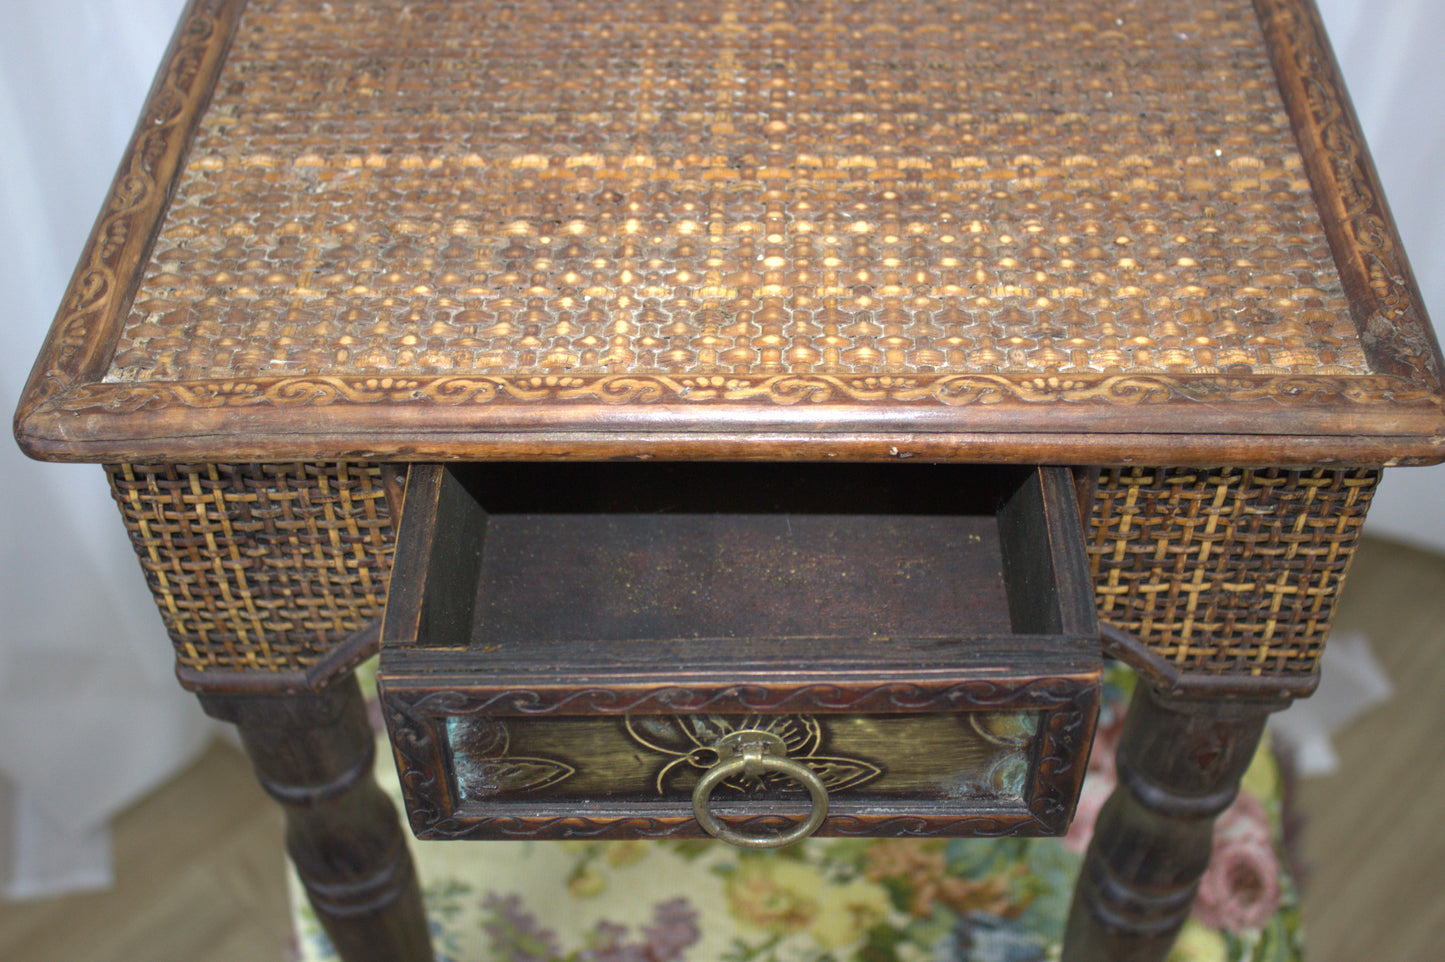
(628, 650)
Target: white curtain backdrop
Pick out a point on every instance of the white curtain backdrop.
(89, 710)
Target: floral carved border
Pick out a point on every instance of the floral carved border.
(974, 695)
(783, 389)
(545, 827)
(1367, 249)
(78, 348)
(1065, 737)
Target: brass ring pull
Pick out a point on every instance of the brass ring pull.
(753, 753)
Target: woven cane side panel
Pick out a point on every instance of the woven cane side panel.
(259, 567)
(1227, 571)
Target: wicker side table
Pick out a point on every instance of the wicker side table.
(1147, 244)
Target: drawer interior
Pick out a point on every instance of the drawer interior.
(566, 641)
(534, 556)
(618, 552)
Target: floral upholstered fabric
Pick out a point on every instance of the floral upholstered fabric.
(832, 900)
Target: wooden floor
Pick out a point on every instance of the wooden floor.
(198, 878)
(1374, 836)
(199, 864)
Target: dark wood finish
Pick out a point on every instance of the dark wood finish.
(313, 753)
(1055, 757)
(446, 528)
(833, 601)
(990, 364)
(615, 552)
(1049, 591)
(1180, 762)
(338, 663)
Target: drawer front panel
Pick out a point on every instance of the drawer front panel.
(1011, 766)
(640, 758)
(611, 650)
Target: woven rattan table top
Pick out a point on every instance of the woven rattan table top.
(1068, 230)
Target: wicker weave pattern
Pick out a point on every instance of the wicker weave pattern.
(1229, 571)
(748, 188)
(259, 567)
(264, 568)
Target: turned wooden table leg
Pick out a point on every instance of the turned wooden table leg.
(1180, 762)
(313, 753)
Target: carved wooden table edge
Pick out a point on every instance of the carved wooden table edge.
(1395, 414)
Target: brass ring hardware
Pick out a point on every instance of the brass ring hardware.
(753, 753)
